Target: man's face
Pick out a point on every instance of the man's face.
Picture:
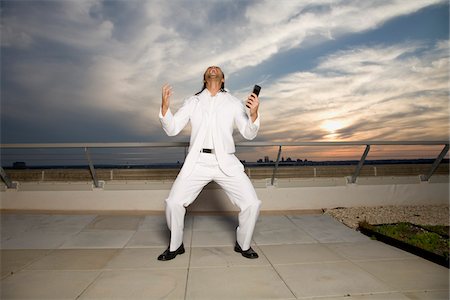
(213, 72)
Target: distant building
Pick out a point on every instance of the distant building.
(19, 165)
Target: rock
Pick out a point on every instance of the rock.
(418, 214)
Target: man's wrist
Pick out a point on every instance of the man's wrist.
(164, 109)
(254, 116)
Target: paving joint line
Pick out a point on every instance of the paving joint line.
(189, 260)
(276, 271)
(90, 284)
(300, 227)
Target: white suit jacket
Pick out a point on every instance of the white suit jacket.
(227, 113)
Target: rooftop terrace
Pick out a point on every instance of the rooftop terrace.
(302, 256)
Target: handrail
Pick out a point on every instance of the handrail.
(351, 180)
(241, 144)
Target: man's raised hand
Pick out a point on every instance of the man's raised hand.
(166, 93)
(253, 104)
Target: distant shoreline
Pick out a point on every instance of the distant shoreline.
(23, 165)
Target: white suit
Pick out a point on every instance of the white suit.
(223, 166)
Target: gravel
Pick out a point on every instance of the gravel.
(422, 215)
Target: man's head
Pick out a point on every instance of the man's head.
(214, 73)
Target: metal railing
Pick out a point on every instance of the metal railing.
(87, 146)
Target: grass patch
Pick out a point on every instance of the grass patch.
(433, 239)
(441, 230)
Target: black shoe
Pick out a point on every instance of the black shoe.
(250, 253)
(168, 255)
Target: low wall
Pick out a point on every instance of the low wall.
(286, 194)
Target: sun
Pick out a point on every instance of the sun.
(331, 125)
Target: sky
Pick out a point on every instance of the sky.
(330, 70)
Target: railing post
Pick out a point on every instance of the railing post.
(276, 166)
(435, 164)
(7, 180)
(91, 168)
(360, 164)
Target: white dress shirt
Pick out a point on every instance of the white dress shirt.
(209, 142)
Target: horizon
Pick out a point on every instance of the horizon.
(66, 157)
(21, 165)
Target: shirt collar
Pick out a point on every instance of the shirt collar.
(208, 93)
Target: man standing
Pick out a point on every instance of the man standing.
(213, 113)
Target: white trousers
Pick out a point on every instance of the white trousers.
(185, 190)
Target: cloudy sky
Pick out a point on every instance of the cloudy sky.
(330, 70)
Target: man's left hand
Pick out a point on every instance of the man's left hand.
(253, 104)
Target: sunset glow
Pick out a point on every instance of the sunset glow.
(332, 126)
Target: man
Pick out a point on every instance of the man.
(213, 112)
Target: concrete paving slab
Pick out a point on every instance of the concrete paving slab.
(213, 238)
(146, 238)
(99, 239)
(266, 222)
(236, 283)
(158, 222)
(215, 223)
(115, 222)
(18, 222)
(313, 220)
(330, 279)
(66, 223)
(74, 259)
(299, 253)
(138, 284)
(46, 284)
(429, 295)
(14, 260)
(146, 258)
(154, 223)
(8, 234)
(224, 257)
(26, 219)
(368, 250)
(325, 229)
(414, 274)
(282, 236)
(379, 296)
(13, 226)
(36, 239)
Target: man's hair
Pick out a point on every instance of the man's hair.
(222, 87)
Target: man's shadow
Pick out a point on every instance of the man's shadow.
(213, 201)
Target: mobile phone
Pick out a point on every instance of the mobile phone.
(256, 90)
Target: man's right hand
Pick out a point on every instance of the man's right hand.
(166, 93)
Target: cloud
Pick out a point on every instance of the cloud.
(111, 57)
(397, 92)
(65, 22)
